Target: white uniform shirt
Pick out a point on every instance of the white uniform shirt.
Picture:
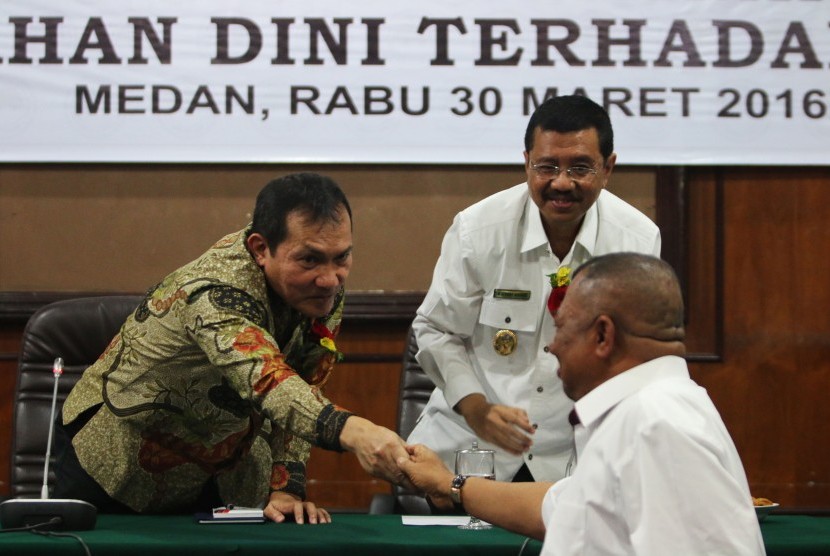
(657, 473)
(499, 244)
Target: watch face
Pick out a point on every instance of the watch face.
(455, 488)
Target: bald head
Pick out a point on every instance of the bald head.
(620, 311)
(640, 292)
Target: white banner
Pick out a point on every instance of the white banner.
(433, 81)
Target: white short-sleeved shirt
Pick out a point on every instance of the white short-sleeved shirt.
(657, 473)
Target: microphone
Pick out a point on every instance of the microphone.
(49, 514)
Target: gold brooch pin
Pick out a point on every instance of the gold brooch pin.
(504, 342)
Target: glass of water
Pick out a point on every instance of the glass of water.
(475, 463)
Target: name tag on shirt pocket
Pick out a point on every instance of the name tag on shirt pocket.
(520, 295)
(513, 314)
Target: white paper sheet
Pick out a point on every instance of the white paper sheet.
(450, 520)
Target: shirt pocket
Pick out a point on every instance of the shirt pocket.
(512, 314)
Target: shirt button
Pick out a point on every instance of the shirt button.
(546, 349)
(535, 426)
(507, 320)
(540, 389)
(530, 456)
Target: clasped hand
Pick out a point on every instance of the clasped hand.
(498, 424)
(377, 449)
(428, 474)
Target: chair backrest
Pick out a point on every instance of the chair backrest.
(416, 388)
(78, 330)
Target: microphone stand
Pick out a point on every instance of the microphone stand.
(57, 371)
(45, 513)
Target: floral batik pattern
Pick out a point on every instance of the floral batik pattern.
(196, 385)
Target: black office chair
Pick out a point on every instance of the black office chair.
(415, 390)
(78, 330)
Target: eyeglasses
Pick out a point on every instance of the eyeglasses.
(579, 172)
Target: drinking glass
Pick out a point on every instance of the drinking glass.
(475, 463)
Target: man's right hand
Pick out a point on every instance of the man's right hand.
(498, 424)
(377, 449)
(429, 475)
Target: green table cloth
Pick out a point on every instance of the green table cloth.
(784, 535)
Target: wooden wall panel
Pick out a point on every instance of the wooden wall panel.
(773, 383)
(9, 346)
(703, 250)
(368, 389)
(123, 227)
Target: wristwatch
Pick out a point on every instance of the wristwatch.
(455, 489)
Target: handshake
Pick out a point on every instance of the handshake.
(383, 454)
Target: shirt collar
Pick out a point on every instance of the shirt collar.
(601, 399)
(534, 235)
(587, 235)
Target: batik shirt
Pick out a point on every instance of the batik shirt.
(212, 375)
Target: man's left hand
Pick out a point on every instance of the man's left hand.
(282, 506)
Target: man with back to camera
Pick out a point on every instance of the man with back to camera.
(483, 326)
(211, 392)
(656, 470)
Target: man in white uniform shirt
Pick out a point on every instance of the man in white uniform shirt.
(483, 326)
(657, 472)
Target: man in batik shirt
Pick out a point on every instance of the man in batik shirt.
(210, 393)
